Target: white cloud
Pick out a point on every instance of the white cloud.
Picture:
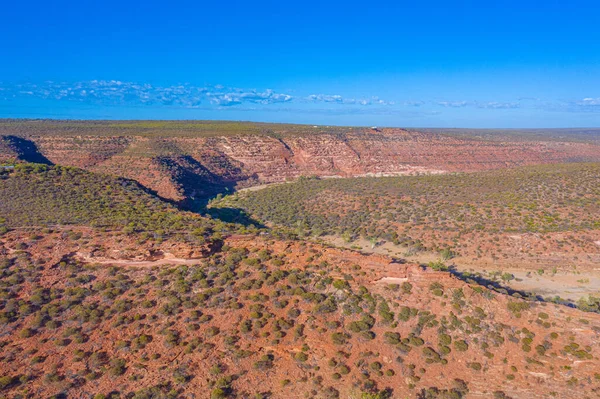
(453, 104)
(589, 101)
(338, 99)
(117, 92)
(414, 103)
(499, 105)
(223, 99)
(479, 104)
(239, 96)
(327, 98)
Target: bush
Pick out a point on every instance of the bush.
(445, 339)
(218, 393)
(117, 367)
(339, 338)
(6, 381)
(392, 338)
(517, 307)
(475, 366)
(341, 284)
(265, 363)
(461, 345)
(26, 333)
(438, 266)
(331, 393)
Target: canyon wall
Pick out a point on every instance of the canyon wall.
(182, 168)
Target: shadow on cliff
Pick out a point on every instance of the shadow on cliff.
(25, 150)
(197, 183)
(498, 287)
(233, 215)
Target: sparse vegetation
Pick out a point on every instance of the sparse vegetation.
(108, 291)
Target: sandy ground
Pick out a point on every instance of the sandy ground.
(259, 187)
(568, 285)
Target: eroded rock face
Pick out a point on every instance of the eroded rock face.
(185, 168)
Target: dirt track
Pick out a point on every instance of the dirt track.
(167, 260)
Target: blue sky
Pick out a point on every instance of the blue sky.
(394, 63)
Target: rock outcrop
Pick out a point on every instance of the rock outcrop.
(185, 168)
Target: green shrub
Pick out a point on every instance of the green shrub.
(461, 345)
(117, 367)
